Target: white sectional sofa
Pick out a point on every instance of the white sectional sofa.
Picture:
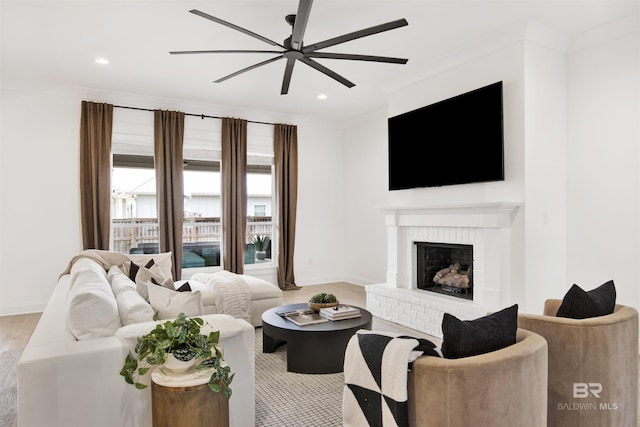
(68, 374)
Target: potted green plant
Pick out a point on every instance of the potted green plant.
(180, 339)
(322, 300)
(260, 243)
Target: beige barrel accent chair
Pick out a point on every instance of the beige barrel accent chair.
(502, 388)
(593, 366)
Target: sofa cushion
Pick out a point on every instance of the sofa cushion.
(170, 303)
(119, 280)
(261, 289)
(580, 304)
(92, 311)
(132, 307)
(464, 338)
(83, 264)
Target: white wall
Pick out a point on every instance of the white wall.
(365, 193)
(39, 222)
(603, 201)
(319, 254)
(39, 170)
(545, 159)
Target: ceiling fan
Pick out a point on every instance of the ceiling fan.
(294, 49)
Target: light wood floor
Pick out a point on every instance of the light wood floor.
(14, 334)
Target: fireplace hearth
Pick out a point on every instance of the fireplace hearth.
(445, 268)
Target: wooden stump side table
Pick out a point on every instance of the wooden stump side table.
(180, 400)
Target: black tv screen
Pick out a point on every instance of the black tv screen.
(456, 141)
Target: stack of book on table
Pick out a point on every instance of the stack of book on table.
(302, 317)
(340, 312)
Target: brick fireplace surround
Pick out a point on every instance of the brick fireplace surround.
(486, 226)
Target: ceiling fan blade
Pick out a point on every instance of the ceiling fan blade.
(313, 64)
(244, 70)
(235, 27)
(356, 35)
(287, 76)
(188, 52)
(356, 57)
(300, 25)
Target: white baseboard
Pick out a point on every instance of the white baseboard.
(22, 309)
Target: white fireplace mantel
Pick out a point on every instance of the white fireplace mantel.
(483, 215)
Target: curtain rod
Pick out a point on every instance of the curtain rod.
(202, 116)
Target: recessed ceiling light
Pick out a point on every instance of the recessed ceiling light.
(322, 96)
(102, 61)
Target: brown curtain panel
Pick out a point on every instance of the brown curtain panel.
(285, 147)
(96, 122)
(168, 137)
(234, 193)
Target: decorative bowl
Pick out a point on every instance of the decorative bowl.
(316, 306)
(178, 366)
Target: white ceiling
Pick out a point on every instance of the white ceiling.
(57, 42)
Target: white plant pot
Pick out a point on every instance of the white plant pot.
(261, 255)
(178, 366)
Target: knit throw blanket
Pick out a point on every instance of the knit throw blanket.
(375, 376)
(231, 293)
(105, 258)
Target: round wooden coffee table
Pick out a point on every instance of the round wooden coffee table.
(311, 349)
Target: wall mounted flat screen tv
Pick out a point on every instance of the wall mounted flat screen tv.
(456, 141)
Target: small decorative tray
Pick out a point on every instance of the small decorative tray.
(316, 306)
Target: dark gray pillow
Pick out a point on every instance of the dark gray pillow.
(580, 304)
(464, 338)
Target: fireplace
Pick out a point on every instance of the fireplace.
(484, 229)
(445, 268)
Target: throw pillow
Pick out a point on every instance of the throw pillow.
(134, 268)
(154, 274)
(169, 303)
(185, 287)
(579, 304)
(161, 260)
(464, 338)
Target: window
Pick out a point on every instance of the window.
(134, 202)
(201, 231)
(259, 210)
(134, 215)
(259, 193)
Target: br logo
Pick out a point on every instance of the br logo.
(583, 390)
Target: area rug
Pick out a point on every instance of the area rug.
(286, 399)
